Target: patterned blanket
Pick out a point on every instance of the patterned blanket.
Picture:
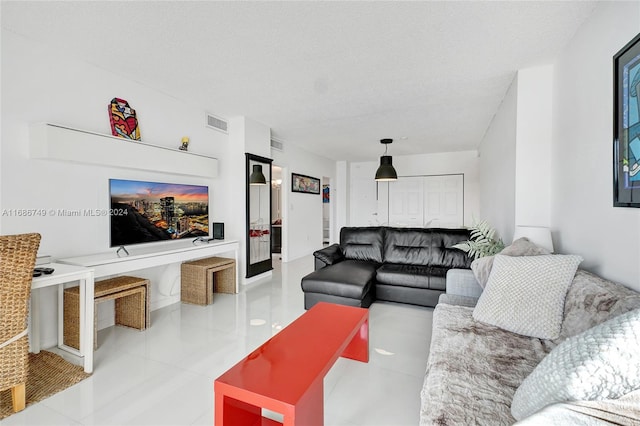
(474, 369)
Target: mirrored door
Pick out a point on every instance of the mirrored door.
(258, 174)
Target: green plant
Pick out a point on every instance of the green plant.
(483, 242)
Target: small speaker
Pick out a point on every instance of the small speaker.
(218, 230)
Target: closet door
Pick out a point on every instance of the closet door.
(444, 201)
(406, 202)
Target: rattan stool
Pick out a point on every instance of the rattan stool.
(201, 278)
(132, 303)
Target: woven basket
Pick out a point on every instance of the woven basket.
(201, 278)
(132, 302)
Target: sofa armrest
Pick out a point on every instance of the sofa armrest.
(462, 282)
(328, 256)
(454, 299)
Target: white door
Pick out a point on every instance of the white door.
(444, 201)
(364, 206)
(405, 202)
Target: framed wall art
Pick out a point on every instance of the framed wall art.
(306, 184)
(626, 125)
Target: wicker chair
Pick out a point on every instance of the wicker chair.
(17, 259)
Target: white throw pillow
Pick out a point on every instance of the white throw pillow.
(600, 363)
(481, 267)
(525, 295)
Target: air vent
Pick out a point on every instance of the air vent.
(277, 145)
(216, 123)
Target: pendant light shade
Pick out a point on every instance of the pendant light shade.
(386, 172)
(257, 178)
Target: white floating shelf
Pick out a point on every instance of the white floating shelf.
(54, 142)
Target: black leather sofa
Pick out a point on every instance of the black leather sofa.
(406, 265)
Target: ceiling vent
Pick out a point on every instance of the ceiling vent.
(217, 123)
(277, 145)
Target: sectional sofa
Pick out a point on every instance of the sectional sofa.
(482, 374)
(406, 265)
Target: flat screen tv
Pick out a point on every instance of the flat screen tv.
(144, 212)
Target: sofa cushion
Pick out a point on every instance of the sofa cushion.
(412, 276)
(526, 295)
(600, 363)
(405, 275)
(349, 278)
(407, 246)
(592, 300)
(438, 278)
(442, 251)
(362, 243)
(474, 369)
(425, 247)
(481, 267)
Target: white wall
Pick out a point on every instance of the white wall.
(582, 217)
(43, 84)
(367, 209)
(498, 167)
(245, 136)
(365, 205)
(579, 196)
(257, 138)
(341, 195)
(302, 213)
(516, 155)
(533, 146)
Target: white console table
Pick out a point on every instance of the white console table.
(85, 268)
(65, 274)
(112, 263)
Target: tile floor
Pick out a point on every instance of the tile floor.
(164, 375)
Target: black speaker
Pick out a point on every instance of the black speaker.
(218, 230)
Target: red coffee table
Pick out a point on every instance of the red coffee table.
(286, 373)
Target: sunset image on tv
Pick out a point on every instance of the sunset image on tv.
(151, 211)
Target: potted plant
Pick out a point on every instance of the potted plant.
(482, 242)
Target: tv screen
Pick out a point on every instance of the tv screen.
(143, 212)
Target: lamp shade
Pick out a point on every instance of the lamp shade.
(539, 235)
(257, 178)
(386, 171)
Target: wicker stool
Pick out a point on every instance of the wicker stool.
(132, 306)
(201, 278)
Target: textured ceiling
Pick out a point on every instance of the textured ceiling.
(332, 77)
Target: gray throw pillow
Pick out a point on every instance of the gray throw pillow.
(521, 247)
(525, 295)
(481, 268)
(600, 363)
(524, 247)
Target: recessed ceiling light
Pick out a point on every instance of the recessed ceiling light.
(257, 321)
(383, 352)
(404, 138)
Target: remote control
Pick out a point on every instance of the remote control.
(45, 270)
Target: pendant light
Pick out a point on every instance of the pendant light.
(257, 178)
(386, 172)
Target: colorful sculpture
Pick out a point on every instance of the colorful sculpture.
(124, 123)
